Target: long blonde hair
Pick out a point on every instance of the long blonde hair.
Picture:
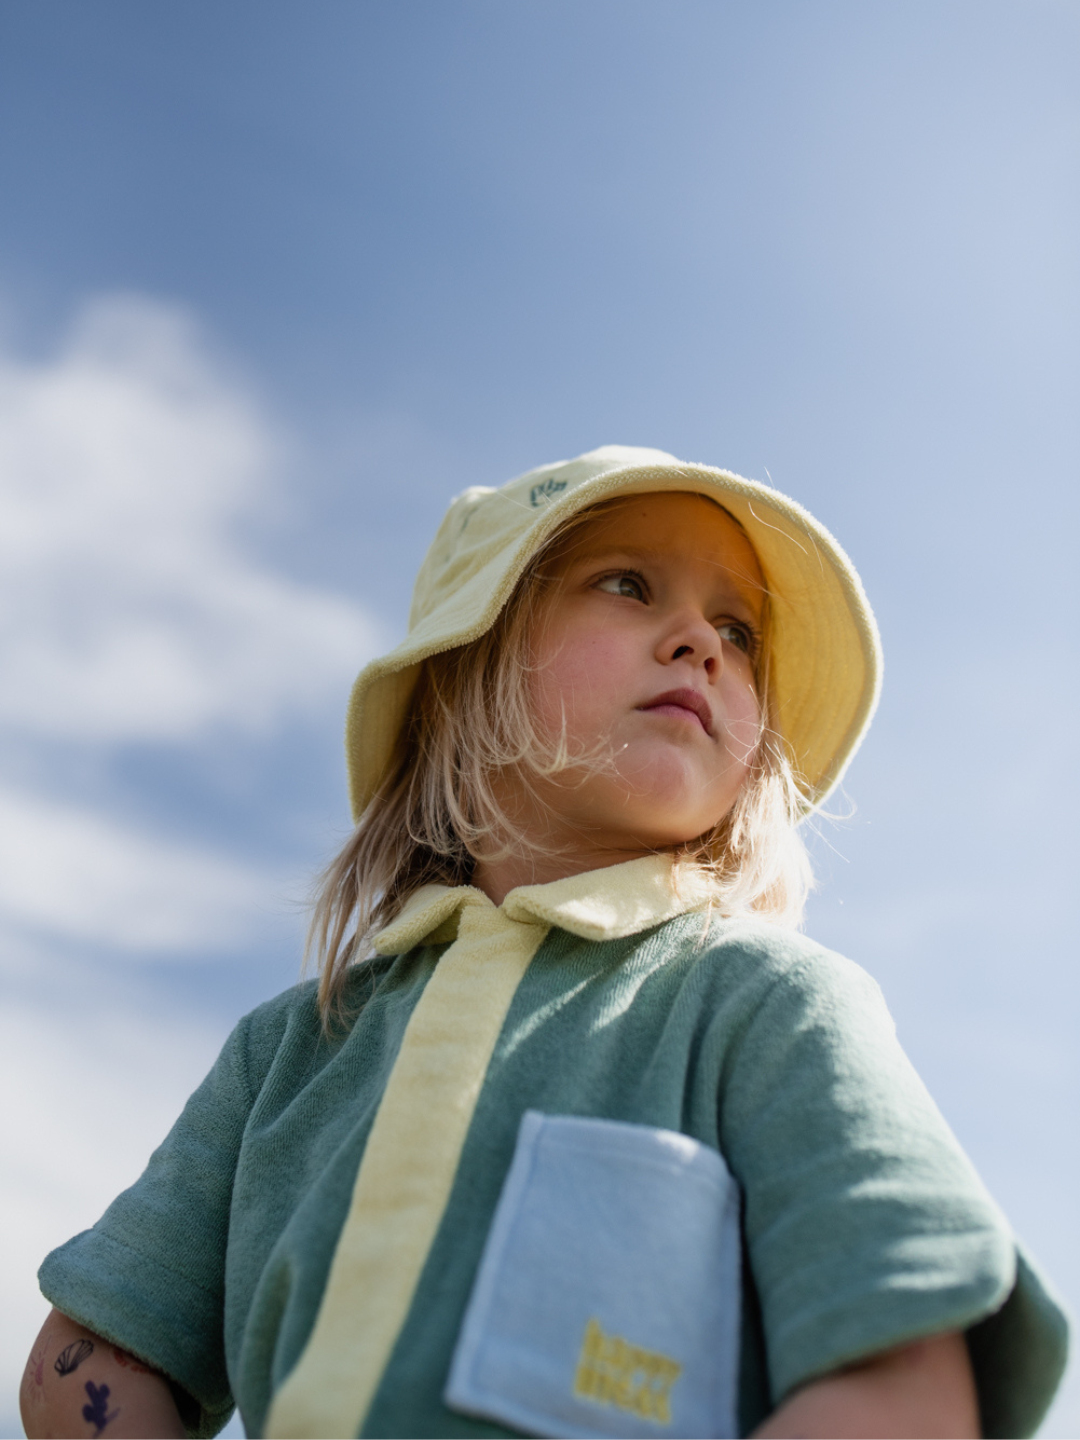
(437, 811)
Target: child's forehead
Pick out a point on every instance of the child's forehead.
(670, 507)
(655, 525)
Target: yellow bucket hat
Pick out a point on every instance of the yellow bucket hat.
(825, 653)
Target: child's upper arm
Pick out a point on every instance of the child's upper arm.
(866, 1225)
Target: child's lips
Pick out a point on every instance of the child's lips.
(684, 704)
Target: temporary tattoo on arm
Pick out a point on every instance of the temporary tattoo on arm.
(72, 1356)
(33, 1391)
(97, 1412)
(37, 1360)
(130, 1363)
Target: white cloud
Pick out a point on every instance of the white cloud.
(127, 609)
(130, 612)
(67, 871)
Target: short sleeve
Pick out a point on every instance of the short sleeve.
(866, 1225)
(150, 1275)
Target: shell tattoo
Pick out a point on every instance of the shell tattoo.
(72, 1356)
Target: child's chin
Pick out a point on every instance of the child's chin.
(673, 792)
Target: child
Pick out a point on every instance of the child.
(594, 1143)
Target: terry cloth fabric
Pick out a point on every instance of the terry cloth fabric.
(863, 1223)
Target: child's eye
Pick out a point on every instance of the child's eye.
(741, 636)
(624, 583)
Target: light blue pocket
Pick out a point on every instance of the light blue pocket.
(607, 1302)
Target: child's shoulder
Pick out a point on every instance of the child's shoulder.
(290, 1024)
(764, 967)
(777, 953)
(269, 1021)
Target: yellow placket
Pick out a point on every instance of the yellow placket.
(408, 1168)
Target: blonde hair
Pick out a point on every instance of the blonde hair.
(437, 811)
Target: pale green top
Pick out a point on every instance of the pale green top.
(864, 1223)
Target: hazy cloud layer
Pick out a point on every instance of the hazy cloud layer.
(127, 610)
(74, 874)
(130, 612)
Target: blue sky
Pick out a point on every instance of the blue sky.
(277, 279)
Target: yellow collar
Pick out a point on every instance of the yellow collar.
(602, 904)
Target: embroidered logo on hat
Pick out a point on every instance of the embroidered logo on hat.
(545, 490)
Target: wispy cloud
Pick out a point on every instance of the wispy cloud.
(128, 611)
(80, 876)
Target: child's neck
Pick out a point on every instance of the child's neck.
(497, 878)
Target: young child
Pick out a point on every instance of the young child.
(576, 1136)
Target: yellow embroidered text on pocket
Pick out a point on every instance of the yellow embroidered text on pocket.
(611, 1371)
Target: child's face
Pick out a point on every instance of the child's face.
(647, 641)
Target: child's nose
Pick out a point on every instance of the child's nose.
(695, 640)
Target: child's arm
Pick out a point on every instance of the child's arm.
(77, 1384)
(923, 1389)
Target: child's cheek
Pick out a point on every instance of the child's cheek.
(586, 676)
(743, 720)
